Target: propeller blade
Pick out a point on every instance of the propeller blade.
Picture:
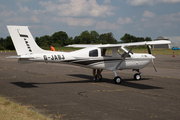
(154, 65)
(149, 50)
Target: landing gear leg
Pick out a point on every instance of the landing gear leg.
(137, 76)
(117, 79)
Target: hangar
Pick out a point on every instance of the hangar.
(175, 42)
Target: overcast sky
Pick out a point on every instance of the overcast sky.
(141, 18)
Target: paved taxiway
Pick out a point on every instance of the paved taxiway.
(67, 92)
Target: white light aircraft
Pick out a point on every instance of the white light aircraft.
(91, 56)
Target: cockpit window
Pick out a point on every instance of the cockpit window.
(93, 53)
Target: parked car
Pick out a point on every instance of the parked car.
(175, 48)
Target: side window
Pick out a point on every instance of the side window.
(103, 52)
(106, 52)
(93, 53)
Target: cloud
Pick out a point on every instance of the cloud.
(35, 19)
(63, 1)
(107, 1)
(69, 12)
(148, 14)
(174, 17)
(6, 14)
(140, 2)
(150, 2)
(166, 21)
(22, 15)
(24, 9)
(167, 1)
(103, 25)
(127, 20)
(76, 21)
(78, 8)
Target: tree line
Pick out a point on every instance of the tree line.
(6, 44)
(61, 38)
(127, 38)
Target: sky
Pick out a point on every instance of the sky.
(141, 18)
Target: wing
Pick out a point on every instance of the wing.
(83, 45)
(134, 44)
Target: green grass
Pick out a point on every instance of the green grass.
(13, 111)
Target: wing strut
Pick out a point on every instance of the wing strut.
(125, 57)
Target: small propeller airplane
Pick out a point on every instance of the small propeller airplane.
(91, 56)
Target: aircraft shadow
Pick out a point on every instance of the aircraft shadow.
(125, 82)
(32, 84)
(88, 79)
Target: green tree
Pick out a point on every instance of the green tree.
(61, 38)
(76, 40)
(43, 41)
(1, 44)
(107, 38)
(8, 43)
(127, 38)
(85, 37)
(71, 40)
(148, 39)
(94, 37)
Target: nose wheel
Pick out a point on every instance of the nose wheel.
(117, 80)
(137, 76)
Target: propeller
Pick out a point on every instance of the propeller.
(149, 51)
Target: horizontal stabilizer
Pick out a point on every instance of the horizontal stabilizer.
(13, 57)
(24, 56)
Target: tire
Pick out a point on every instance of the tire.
(117, 80)
(137, 76)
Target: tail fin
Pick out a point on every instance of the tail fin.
(23, 40)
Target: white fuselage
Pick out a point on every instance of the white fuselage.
(83, 58)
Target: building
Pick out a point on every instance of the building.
(175, 42)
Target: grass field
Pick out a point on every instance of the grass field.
(12, 111)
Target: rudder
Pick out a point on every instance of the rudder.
(23, 40)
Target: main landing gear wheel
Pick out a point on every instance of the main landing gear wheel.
(137, 76)
(117, 80)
